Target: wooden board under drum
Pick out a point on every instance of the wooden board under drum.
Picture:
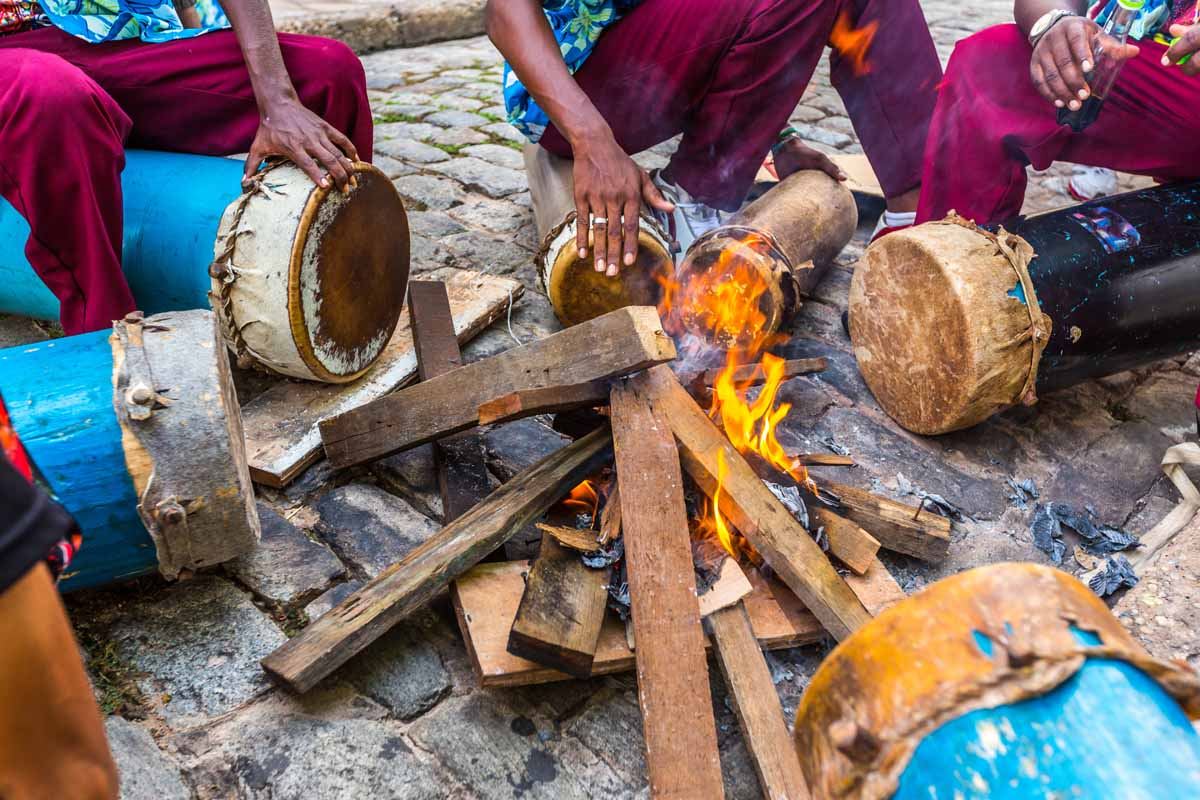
(486, 600)
(281, 424)
(860, 176)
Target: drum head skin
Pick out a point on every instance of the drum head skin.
(579, 293)
(348, 274)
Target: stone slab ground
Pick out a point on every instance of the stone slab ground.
(179, 662)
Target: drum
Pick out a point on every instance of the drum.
(310, 282)
(576, 291)
(952, 323)
(1005, 682)
(138, 433)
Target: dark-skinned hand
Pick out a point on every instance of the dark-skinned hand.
(290, 130)
(795, 155)
(1188, 44)
(609, 185)
(1065, 54)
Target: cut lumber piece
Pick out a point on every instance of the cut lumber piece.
(728, 589)
(756, 703)
(898, 527)
(405, 586)
(546, 400)
(618, 343)
(822, 460)
(751, 374)
(559, 619)
(486, 600)
(461, 470)
(610, 517)
(850, 544)
(581, 541)
(677, 717)
(750, 506)
(282, 439)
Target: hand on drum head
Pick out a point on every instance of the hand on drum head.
(290, 130)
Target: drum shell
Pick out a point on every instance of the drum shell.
(67, 406)
(310, 281)
(1009, 651)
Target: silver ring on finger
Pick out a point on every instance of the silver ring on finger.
(599, 221)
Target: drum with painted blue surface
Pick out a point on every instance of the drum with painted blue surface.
(137, 432)
(1004, 682)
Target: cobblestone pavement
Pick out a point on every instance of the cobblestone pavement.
(177, 665)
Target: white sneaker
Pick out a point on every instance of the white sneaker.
(690, 220)
(1090, 183)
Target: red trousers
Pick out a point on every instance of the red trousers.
(990, 123)
(727, 74)
(69, 108)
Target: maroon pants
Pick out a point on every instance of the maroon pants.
(727, 74)
(990, 123)
(68, 109)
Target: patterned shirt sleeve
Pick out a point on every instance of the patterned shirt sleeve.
(148, 20)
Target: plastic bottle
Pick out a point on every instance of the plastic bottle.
(1104, 74)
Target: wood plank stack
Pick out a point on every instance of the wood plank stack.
(549, 620)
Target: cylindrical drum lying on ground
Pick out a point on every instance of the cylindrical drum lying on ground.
(138, 433)
(1005, 682)
(952, 324)
(783, 242)
(314, 293)
(576, 291)
(309, 282)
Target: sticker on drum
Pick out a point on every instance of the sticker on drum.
(1113, 231)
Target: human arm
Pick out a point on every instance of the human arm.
(608, 184)
(286, 128)
(1065, 53)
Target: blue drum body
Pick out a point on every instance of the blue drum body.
(172, 204)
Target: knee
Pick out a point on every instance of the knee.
(46, 87)
(983, 51)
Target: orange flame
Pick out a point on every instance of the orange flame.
(853, 43)
(584, 499)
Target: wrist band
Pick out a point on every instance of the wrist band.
(785, 136)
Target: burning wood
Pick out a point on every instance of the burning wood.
(571, 538)
(748, 375)
(898, 527)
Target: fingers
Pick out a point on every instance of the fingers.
(1081, 47)
(311, 168)
(600, 240)
(631, 223)
(826, 165)
(342, 141)
(583, 216)
(1185, 47)
(253, 161)
(1050, 85)
(616, 231)
(653, 197)
(1070, 74)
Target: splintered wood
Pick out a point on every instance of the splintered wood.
(618, 343)
(548, 400)
(405, 586)
(677, 718)
(898, 527)
(750, 506)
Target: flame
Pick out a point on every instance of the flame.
(584, 499)
(853, 43)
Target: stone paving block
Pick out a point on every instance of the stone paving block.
(391, 167)
(330, 743)
(430, 191)
(518, 445)
(483, 177)
(458, 137)
(501, 216)
(434, 224)
(411, 151)
(370, 528)
(1167, 401)
(480, 251)
(457, 102)
(144, 772)
(823, 135)
(502, 130)
(402, 670)
(807, 114)
(497, 154)
(287, 565)
(456, 119)
(401, 112)
(20, 330)
(412, 474)
(415, 131)
(611, 727)
(321, 606)
(197, 645)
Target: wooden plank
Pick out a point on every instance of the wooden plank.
(756, 704)
(405, 586)
(822, 460)
(752, 374)
(280, 424)
(461, 470)
(677, 718)
(486, 600)
(581, 541)
(546, 400)
(610, 517)
(559, 619)
(751, 507)
(728, 589)
(850, 544)
(898, 527)
(617, 343)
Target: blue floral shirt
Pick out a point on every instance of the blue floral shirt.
(577, 25)
(1155, 17)
(148, 20)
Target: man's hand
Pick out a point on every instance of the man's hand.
(1188, 45)
(610, 186)
(1065, 55)
(290, 130)
(795, 155)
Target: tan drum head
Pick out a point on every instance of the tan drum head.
(579, 293)
(348, 274)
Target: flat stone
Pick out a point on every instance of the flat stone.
(1161, 609)
(411, 151)
(502, 130)
(197, 644)
(815, 134)
(611, 727)
(480, 251)
(497, 154)
(370, 528)
(483, 177)
(392, 167)
(501, 216)
(519, 445)
(807, 114)
(456, 119)
(434, 224)
(402, 112)
(457, 137)
(430, 192)
(455, 102)
(329, 743)
(412, 474)
(336, 594)
(402, 670)
(22, 330)
(144, 772)
(1166, 401)
(416, 131)
(287, 565)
